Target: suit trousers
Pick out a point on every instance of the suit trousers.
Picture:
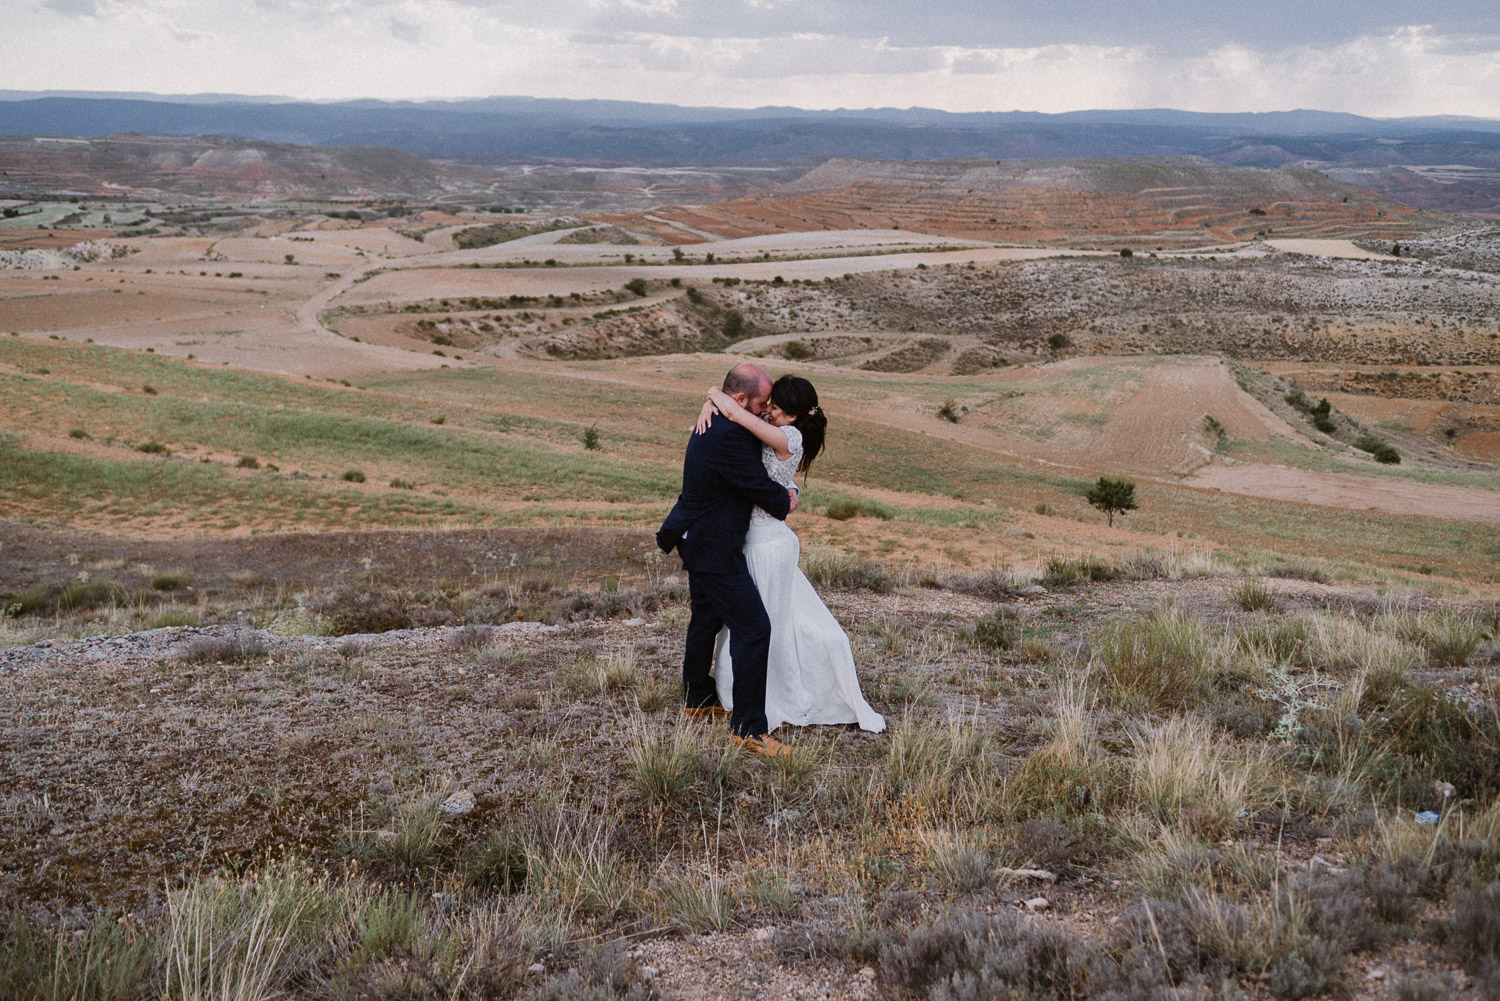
(728, 599)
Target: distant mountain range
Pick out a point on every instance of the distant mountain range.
(1413, 156)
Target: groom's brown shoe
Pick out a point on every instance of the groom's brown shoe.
(764, 745)
(705, 712)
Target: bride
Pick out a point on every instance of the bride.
(810, 675)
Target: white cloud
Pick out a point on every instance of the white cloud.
(746, 53)
(405, 31)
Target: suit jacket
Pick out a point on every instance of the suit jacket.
(723, 478)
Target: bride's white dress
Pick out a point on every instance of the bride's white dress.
(810, 675)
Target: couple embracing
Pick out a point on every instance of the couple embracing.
(762, 648)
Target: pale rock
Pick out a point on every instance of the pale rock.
(458, 804)
(1032, 590)
(649, 972)
(1043, 874)
(763, 934)
(1038, 904)
(866, 973)
(786, 816)
(1376, 974)
(536, 968)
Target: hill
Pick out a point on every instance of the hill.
(214, 165)
(506, 130)
(1155, 202)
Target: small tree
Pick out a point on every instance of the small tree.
(591, 438)
(636, 285)
(734, 324)
(1112, 496)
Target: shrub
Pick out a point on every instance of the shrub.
(171, 581)
(636, 285)
(1112, 496)
(353, 476)
(996, 631)
(409, 842)
(797, 351)
(1065, 571)
(111, 960)
(733, 324)
(152, 448)
(359, 610)
(843, 509)
(970, 957)
(829, 568)
(1252, 595)
(1160, 660)
(498, 863)
(247, 462)
(1382, 450)
(949, 411)
(1057, 341)
(1474, 930)
(235, 649)
(79, 433)
(590, 438)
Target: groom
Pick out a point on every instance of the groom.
(722, 480)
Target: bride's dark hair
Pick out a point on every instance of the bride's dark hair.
(797, 397)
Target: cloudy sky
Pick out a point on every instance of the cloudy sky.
(1372, 57)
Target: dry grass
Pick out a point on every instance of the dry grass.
(1099, 744)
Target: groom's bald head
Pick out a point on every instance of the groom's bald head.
(750, 385)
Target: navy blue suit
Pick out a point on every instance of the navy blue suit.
(723, 478)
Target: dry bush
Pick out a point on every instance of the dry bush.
(992, 584)
(827, 567)
(942, 767)
(1252, 595)
(1011, 955)
(240, 648)
(694, 901)
(111, 960)
(408, 840)
(1065, 571)
(603, 974)
(365, 610)
(1070, 775)
(1450, 639)
(1182, 775)
(1474, 929)
(574, 862)
(1159, 662)
(249, 939)
(958, 860)
(1341, 643)
(681, 768)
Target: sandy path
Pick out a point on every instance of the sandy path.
(1329, 248)
(1358, 493)
(432, 279)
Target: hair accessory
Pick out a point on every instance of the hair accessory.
(812, 412)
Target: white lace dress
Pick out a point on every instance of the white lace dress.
(810, 675)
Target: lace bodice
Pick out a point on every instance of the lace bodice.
(782, 471)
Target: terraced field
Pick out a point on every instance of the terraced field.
(1181, 202)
